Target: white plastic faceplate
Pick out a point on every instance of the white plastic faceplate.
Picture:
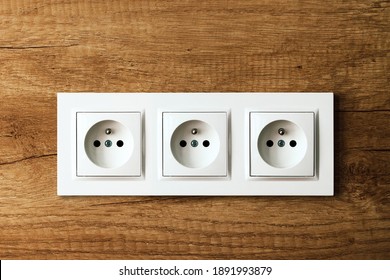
(238, 108)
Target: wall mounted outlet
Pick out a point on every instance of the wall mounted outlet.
(108, 144)
(282, 144)
(195, 144)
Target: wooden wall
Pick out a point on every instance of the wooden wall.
(162, 46)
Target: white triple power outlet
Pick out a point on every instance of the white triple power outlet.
(195, 144)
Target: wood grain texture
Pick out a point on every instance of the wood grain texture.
(161, 46)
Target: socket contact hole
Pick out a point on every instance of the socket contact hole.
(206, 143)
(96, 143)
(270, 143)
(119, 143)
(293, 143)
(183, 143)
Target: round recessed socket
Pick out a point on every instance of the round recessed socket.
(291, 146)
(109, 150)
(203, 146)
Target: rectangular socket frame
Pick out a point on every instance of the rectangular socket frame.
(238, 181)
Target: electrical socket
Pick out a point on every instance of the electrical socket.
(194, 144)
(282, 144)
(108, 144)
(236, 162)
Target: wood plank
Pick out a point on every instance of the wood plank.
(154, 46)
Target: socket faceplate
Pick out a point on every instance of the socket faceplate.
(194, 144)
(239, 179)
(282, 144)
(108, 144)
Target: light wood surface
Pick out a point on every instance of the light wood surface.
(161, 46)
